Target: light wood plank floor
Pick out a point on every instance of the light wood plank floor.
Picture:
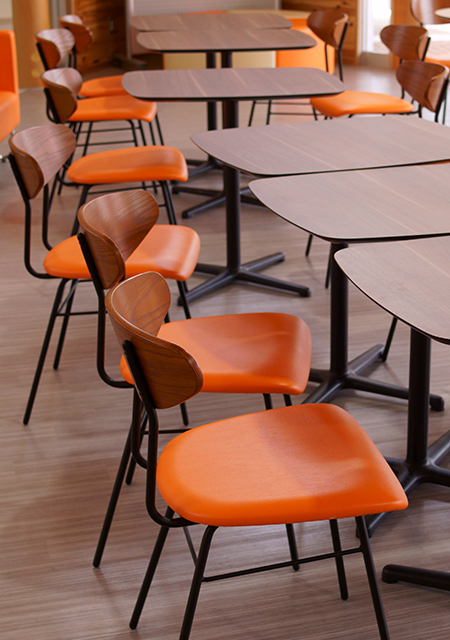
(57, 472)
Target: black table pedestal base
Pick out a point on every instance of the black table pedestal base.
(223, 276)
(424, 577)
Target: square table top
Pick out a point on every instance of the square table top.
(410, 280)
(224, 39)
(213, 21)
(375, 205)
(229, 84)
(327, 145)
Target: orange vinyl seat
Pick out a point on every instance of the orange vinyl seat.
(264, 353)
(293, 464)
(425, 82)
(37, 155)
(9, 85)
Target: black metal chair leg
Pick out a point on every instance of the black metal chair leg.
(292, 546)
(267, 401)
(196, 583)
(287, 400)
(339, 559)
(389, 338)
(182, 290)
(118, 482)
(44, 349)
(372, 578)
(308, 244)
(143, 419)
(65, 323)
(168, 203)
(152, 566)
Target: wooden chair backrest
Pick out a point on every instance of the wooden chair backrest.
(62, 86)
(54, 45)
(424, 11)
(137, 308)
(114, 225)
(82, 34)
(425, 82)
(329, 25)
(406, 41)
(40, 152)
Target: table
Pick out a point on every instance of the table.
(210, 21)
(408, 279)
(230, 86)
(223, 41)
(359, 207)
(327, 145)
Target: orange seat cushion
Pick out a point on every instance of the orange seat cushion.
(133, 164)
(313, 57)
(293, 464)
(171, 250)
(9, 113)
(106, 86)
(245, 353)
(360, 102)
(66, 260)
(119, 107)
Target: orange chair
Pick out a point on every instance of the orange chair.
(37, 155)
(61, 87)
(266, 353)
(425, 82)
(9, 85)
(153, 164)
(293, 464)
(328, 28)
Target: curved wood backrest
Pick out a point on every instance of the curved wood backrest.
(424, 11)
(40, 152)
(54, 46)
(114, 226)
(137, 308)
(63, 86)
(424, 81)
(407, 41)
(83, 36)
(328, 25)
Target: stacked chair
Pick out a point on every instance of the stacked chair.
(37, 155)
(263, 353)
(292, 464)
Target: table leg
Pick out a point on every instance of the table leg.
(235, 271)
(422, 462)
(343, 374)
(211, 163)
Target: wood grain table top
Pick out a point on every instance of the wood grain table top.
(327, 145)
(229, 84)
(213, 21)
(224, 39)
(410, 280)
(375, 205)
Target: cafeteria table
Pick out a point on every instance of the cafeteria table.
(230, 86)
(210, 21)
(410, 280)
(225, 41)
(375, 206)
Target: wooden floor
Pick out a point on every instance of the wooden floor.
(57, 472)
